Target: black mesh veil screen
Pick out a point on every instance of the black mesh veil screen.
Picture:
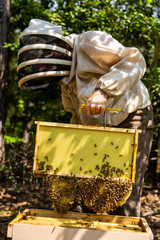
(40, 38)
(42, 59)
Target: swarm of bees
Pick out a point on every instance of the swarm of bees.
(98, 194)
(102, 193)
(61, 192)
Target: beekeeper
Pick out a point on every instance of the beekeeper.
(96, 70)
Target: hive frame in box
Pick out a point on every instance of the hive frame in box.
(47, 224)
(69, 133)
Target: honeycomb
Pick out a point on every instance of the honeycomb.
(100, 195)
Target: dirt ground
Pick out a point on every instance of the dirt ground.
(13, 201)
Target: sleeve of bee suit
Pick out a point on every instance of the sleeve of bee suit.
(115, 67)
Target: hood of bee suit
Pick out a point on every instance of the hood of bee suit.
(45, 55)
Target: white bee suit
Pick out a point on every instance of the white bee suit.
(100, 61)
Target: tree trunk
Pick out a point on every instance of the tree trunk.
(4, 32)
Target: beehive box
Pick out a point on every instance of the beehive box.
(48, 224)
(69, 149)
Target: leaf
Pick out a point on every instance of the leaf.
(3, 168)
(10, 139)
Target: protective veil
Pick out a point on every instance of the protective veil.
(45, 55)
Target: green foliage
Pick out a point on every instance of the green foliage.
(10, 177)
(22, 11)
(12, 46)
(3, 168)
(11, 139)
